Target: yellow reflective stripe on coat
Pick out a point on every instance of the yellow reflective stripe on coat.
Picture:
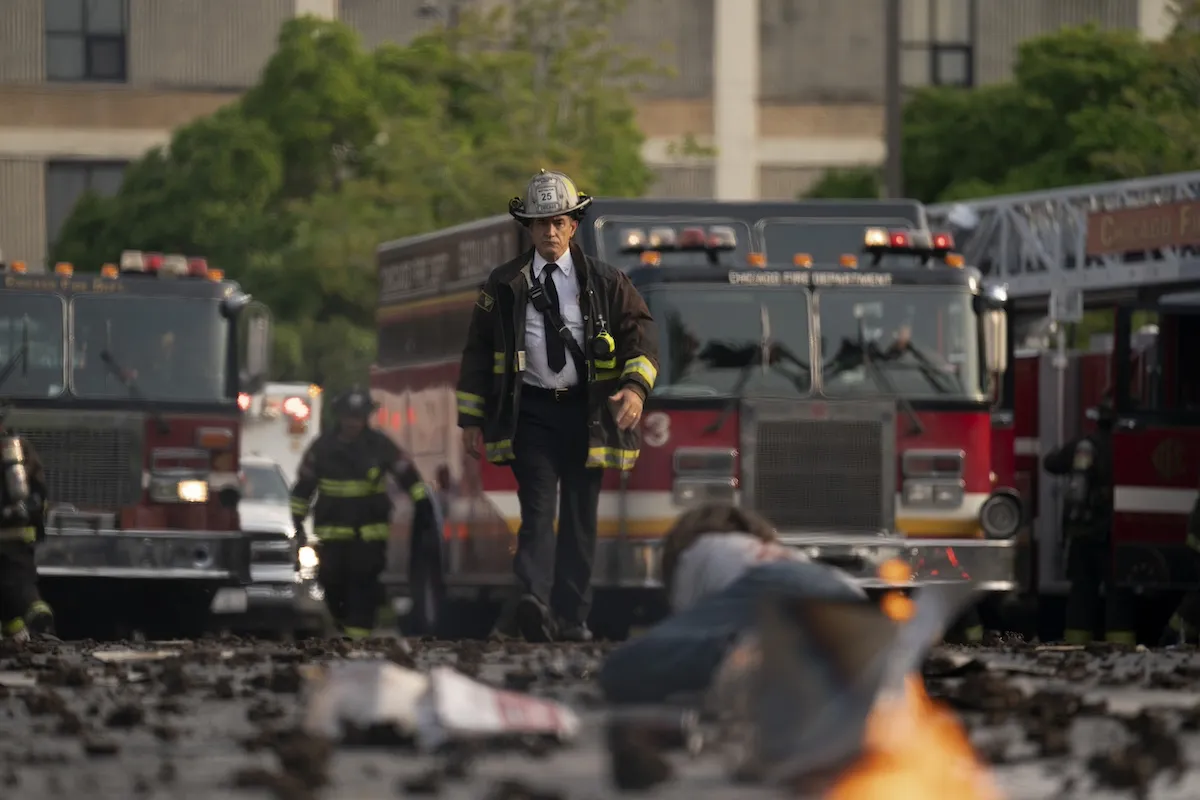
(641, 367)
(14, 626)
(25, 534)
(606, 374)
(357, 633)
(331, 488)
(498, 362)
(1120, 637)
(418, 492)
(371, 533)
(39, 608)
(1193, 541)
(606, 364)
(612, 458)
(501, 451)
(299, 507)
(469, 404)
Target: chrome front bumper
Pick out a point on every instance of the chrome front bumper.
(211, 556)
(989, 565)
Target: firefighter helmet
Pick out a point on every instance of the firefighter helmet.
(549, 194)
(355, 402)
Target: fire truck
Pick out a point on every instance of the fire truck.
(126, 384)
(831, 365)
(1128, 248)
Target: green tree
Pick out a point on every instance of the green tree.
(1084, 106)
(291, 188)
(855, 183)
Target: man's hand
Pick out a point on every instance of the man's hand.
(626, 408)
(472, 439)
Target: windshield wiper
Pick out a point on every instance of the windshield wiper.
(20, 357)
(766, 352)
(127, 380)
(883, 379)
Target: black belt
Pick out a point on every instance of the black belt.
(571, 394)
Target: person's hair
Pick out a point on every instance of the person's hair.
(706, 519)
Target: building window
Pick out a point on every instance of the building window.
(938, 43)
(86, 40)
(67, 181)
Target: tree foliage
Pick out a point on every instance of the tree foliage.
(862, 183)
(1084, 106)
(338, 148)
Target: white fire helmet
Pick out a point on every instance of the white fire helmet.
(549, 194)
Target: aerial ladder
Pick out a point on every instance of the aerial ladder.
(1061, 252)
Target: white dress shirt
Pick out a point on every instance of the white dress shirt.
(537, 370)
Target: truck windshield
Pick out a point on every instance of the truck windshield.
(917, 342)
(36, 320)
(716, 341)
(172, 348)
(264, 483)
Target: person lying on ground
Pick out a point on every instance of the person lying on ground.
(719, 561)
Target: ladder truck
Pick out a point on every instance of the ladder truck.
(1131, 247)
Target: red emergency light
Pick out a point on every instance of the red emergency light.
(153, 262)
(197, 268)
(880, 241)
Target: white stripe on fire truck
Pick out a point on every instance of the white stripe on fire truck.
(661, 505)
(1150, 500)
(1026, 446)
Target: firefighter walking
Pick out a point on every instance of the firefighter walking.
(1184, 625)
(1087, 522)
(347, 469)
(23, 613)
(560, 356)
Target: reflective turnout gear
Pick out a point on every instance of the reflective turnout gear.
(1184, 625)
(352, 516)
(547, 195)
(493, 363)
(1087, 522)
(21, 607)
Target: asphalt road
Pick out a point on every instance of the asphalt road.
(213, 722)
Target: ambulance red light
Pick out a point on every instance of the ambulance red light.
(244, 401)
(899, 239)
(693, 239)
(153, 262)
(197, 268)
(943, 242)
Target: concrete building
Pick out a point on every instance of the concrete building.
(779, 89)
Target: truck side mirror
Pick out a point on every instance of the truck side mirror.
(254, 339)
(995, 341)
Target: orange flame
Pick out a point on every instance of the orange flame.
(915, 750)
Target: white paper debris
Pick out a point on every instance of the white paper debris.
(17, 680)
(456, 707)
(363, 694)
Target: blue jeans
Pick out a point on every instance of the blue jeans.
(681, 654)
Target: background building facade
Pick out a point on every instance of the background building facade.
(779, 90)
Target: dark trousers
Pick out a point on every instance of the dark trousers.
(550, 451)
(18, 581)
(1089, 567)
(349, 575)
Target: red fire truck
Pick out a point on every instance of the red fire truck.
(1128, 249)
(126, 383)
(848, 402)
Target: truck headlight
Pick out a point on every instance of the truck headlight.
(933, 494)
(173, 490)
(1000, 516)
(307, 558)
(688, 492)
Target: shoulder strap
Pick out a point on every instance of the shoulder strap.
(554, 320)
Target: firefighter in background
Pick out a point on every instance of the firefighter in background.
(347, 470)
(1184, 625)
(1087, 522)
(23, 613)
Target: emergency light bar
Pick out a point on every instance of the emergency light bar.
(135, 262)
(690, 239)
(881, 241)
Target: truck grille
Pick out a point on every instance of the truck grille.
(90, 468)
(821, 475)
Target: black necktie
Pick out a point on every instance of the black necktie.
(556, 348)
